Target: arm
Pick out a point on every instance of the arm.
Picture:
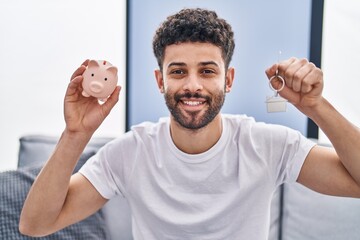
(324, 170)
(58, 199)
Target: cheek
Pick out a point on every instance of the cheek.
(171, 86)
(169, 92)
(219, 86)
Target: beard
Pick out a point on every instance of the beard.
(194, 120)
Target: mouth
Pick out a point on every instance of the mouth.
(192, 105)
(192, 102)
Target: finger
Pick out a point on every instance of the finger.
(277, 83)
(298, 73)
(284, 65)
(80, 70)
(111, 101)
(86, 62)
(279, 69)
(271, 71)
(289, 95)
(314, 79)
(290, 72)
(299, 76)
(74, 85)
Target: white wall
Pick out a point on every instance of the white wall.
(41, 44)
(341, 58)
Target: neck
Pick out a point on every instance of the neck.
(196, 141)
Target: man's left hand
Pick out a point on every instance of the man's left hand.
(303, 82)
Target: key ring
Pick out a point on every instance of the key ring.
(278, 77)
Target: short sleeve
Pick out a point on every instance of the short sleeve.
(98, 172)
(294, 166)
(295, 150)
(109, 169)
(282, 149)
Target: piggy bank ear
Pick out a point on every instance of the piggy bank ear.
(113, 70)
(93, 63)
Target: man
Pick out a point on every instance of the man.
(198, 174)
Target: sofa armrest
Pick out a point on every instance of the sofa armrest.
(36, 149)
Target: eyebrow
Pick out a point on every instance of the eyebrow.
(208, 63)
(176, 64)
(201, 64)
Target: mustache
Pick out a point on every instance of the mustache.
(179, 96)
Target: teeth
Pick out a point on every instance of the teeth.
(192, 103)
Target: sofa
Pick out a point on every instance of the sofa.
(297, 213)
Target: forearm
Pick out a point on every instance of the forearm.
(48, 193)
(344, 136)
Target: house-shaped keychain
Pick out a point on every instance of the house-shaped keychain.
(276, 104)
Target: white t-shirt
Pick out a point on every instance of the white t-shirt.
(223, 193)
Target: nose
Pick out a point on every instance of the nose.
(192, 83)
(96, 87)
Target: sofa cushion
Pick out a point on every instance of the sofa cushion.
(311, 215)
(13, 191)
(36, 149)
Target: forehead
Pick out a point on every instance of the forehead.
(191, 53)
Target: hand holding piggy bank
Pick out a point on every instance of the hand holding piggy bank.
(100, 79)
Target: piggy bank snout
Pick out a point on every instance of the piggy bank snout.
(96, 86)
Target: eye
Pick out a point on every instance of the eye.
(178, 71)
(105, 79)
(208, 71)
(92, 74)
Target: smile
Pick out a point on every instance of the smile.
(192, 103)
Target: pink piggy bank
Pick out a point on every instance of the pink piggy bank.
(100, 79)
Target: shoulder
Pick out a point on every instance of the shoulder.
(142, 132)
(247, 127)
(246, 123)
(236, 120)
(150, 129)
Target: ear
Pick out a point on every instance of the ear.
(113, 70)
(159, 80)
(93, 63)
(230, 74)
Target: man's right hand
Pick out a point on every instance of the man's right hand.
(68, 198)
(85, 114)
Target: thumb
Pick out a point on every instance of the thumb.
(290, 95)
(111, 101)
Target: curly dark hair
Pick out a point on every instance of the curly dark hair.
(194, 25)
